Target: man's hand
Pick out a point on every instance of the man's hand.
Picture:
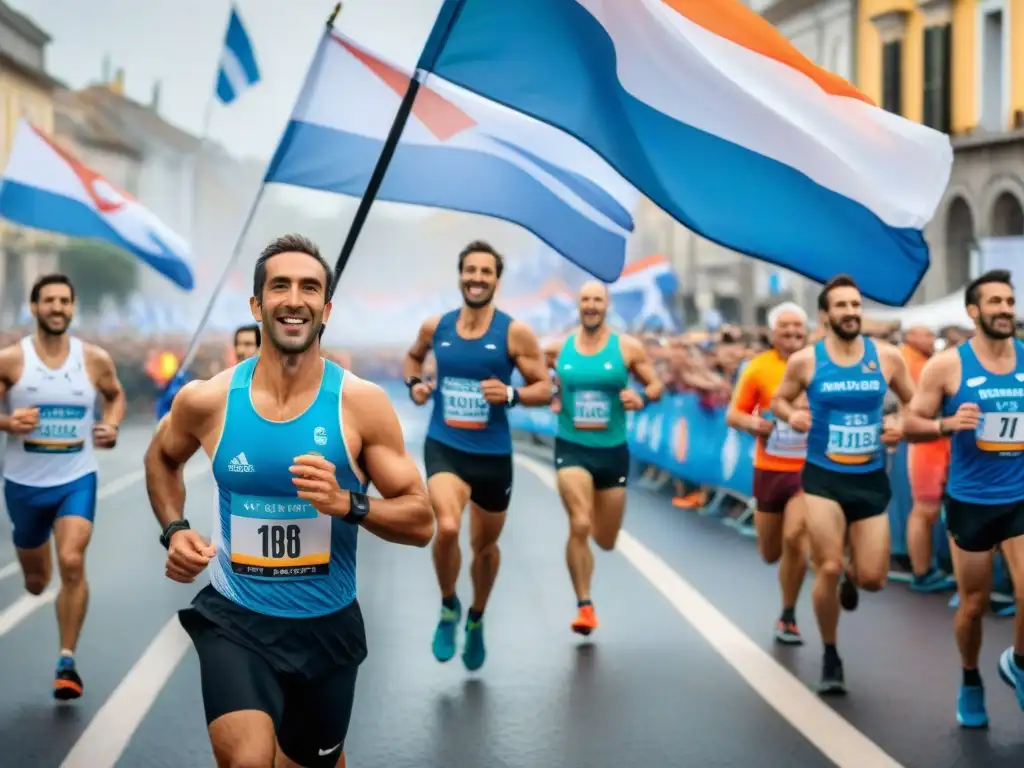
(966, 418)
(631, 400)
(892, 431)
(762, 427)
(421, 392)
(23, 420)
(187, 556)
(801, 421)
(317, 484)
(495, 392)
(104, 435)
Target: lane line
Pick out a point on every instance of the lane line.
(112, 727)
(803, 709)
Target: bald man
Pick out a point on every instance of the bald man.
(591, 454)
(928, 466)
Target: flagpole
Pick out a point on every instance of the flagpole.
(193, 345)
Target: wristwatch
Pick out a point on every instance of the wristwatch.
(412, 381)
(359, 508)
(943, 432)
(511, 396)
(172, 528)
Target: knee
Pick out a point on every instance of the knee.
(447, 530)
(36, 583)
(871, 582)
(794, 541)
(72, 566)
(926, 512)
(769, 549)
(830, 568)
(975, 604)
(606, 539)
(580, 527)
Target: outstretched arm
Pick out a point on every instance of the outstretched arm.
(525, 350)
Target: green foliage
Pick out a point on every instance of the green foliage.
(98, 269)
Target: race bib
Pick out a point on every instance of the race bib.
(785, 442)
(1001, 432)
(61, 429)
(464, 404)
(279, 538)
(853, 438)
(591, 410)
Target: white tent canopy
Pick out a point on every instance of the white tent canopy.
(936, 315)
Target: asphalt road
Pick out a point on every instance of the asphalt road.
(682, 671)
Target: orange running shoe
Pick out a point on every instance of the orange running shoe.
(585, 621)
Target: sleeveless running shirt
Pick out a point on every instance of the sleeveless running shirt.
(986, 466)
(276, 555)
(462, 419)
(846, 412)
(59, 450)
(592, 414)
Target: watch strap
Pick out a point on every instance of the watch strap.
(359, 508)
(172, 528)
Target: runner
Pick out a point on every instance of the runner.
(781, 450)
(247, 342)
(846, 487)
(977, 387)
(294, 441)
(468, 450)
(591, 453)
(51, 381)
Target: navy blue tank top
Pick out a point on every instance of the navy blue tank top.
(987, 466)
(846, 412)
(462, 419)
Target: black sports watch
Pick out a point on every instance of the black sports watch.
(172, 528)
(359, 508)
(412, 381)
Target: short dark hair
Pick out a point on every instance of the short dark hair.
(972, 294)
(52, 279)
(292, 243)
(839, 281)
(254, 328)
(482, 246)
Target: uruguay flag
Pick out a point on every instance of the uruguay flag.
(47, 188)
(458, 151)
(238, 68)
(707, 110)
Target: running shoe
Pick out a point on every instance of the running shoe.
(970, 707)
(1012, 675)
(935, 580)
(787, 633)
(67, 685)
(444, 635)
(849, 597)
(474, 654)
(585, 621)
(833, 682)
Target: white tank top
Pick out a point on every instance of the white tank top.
(59, 450)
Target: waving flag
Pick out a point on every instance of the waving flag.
(707, 110)
(45, 187)
(238, 68)
(458, 151)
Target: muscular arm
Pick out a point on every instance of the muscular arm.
(403, 515)
(744, 401)
(412, 364)
(641, 366)
(524, 348)
(919, 420)
(108, 385)
(174, 443)
(792, 386)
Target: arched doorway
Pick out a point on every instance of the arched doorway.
(1007, 216)
(959, 240)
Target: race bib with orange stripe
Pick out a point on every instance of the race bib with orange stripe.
(274, 537)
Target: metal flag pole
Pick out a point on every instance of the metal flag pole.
(236, 252)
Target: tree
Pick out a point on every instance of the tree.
(98, 269)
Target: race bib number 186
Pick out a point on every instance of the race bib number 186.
(279, 538)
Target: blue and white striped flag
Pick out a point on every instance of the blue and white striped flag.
(238, 68)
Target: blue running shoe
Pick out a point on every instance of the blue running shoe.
(474, 654)
(444, 635)
(933, 581)
(970, 707)
(1012, 675)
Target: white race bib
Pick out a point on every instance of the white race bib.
(853, 438)
(785, 442)
(61, 429)
(592, 409)
(276, 537)
(1001, 432)
(464, 404)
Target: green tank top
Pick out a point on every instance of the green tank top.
(592, 414)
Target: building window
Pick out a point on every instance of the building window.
(892, 76)
(993, 111)
(937, 87)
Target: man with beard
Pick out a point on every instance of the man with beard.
(591, 453)
(51, 381)
(781, 450)
(977, 392)
(294, 441)
(846, 488)
(468, 450)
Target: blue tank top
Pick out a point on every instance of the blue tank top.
(462, 419)
(846, 412)
(986, 465)
(276, 554)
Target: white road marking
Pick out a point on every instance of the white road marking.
(24, 607)
(834, 737)
(107, 735)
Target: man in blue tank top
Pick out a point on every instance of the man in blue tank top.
(468, 450)
(975, 392)
(846, 487)
(294, 441)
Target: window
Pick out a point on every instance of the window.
(993, 107)
(892, 76)
(937, 56)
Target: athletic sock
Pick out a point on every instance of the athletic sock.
(788, 616)
(583, 603)
(451, 602)
(475, 615)
(831, 654)
(972, 678)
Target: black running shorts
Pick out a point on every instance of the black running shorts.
(860, 495)
(488, 476)
(609, 467)
(301, 672)
(983, 527)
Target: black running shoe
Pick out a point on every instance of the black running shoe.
(849, 597)
(787, 633)
(833, 683)
(67, 685)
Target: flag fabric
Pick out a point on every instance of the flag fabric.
(458, 152)
(47, 188)
(238, 68)
(712, 114)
